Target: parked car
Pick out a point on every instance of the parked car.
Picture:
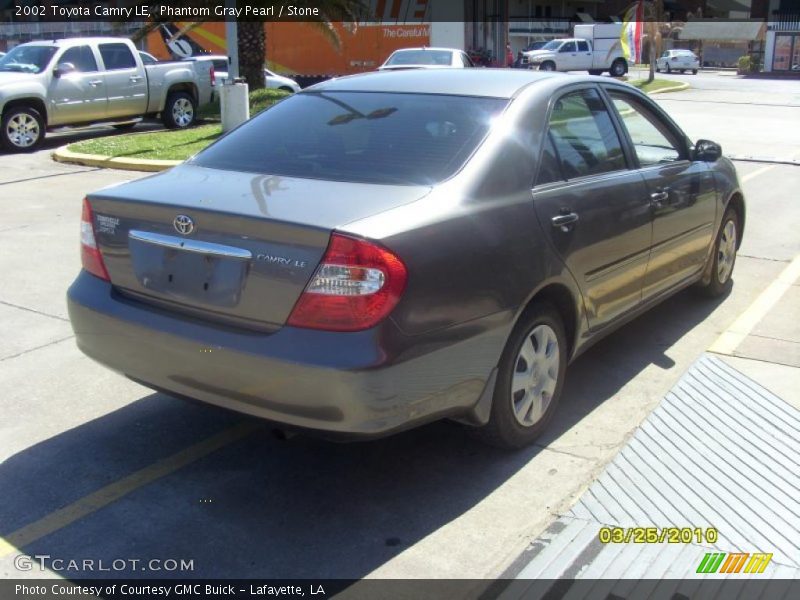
(81, 81)
(595, 48)
(376, 252)
(678, 60)
(271, 80)
(521, 61)
(426, 58)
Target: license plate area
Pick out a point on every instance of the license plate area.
(189, 270)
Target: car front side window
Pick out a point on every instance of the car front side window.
(652, 139)
(81, 57)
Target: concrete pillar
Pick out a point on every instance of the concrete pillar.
(234, 104)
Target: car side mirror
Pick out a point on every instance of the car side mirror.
(64, 68)
(707, 151)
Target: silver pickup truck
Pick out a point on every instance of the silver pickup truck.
(84, 81)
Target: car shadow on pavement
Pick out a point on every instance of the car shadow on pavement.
(303, 507)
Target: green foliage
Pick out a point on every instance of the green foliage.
(746, 64)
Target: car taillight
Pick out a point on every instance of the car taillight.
(356, 285)
(90, 255)
(213, 75)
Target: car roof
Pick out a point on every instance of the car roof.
(207, 57)
(76, 41)
(490, 83)
(427, 48)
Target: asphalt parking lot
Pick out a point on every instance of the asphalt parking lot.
(97, 467)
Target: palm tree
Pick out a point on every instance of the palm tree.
(252, 35)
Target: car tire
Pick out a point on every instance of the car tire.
(618, 68)
(668, 69)
(724, 256)
(548, 65)
(694, 71)
(518, 416)
(124, 126)
(180, 111)
(22, 129)
(658, 69)
(682, 71)
(595, 71)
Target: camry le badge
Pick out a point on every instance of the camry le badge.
(183, 224)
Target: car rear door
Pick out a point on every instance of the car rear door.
(681, 191)
(584, 59)
(80, 95)
(592, 206)
(126, 83)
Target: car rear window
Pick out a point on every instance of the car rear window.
(421, 57)
(358, 136)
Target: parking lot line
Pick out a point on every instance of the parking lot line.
(744, 324)
(111, 493)
(756, 173)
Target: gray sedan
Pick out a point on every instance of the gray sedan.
(383, 250)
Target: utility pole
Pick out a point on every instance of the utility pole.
(232, 40)
(233, 97)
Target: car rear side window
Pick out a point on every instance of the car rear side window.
(652, 140)
(391, 138)
(80, 56)
(584, 136)
(549, 168)
(220, 65)
(421, 57)
(583, 46)
(117, 56)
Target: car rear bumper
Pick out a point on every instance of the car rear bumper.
(366, 383)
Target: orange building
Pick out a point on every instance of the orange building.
(299, 47)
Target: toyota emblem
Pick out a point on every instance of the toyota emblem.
(183, 224)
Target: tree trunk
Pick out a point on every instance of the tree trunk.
(252, 42)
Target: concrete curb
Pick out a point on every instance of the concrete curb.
(675, 88)
(64, 155)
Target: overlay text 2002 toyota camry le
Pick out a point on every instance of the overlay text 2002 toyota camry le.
(382, 250)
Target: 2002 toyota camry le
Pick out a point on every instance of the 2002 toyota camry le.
(382, 250)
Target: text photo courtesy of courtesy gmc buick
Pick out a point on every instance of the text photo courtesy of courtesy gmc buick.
(384, 250)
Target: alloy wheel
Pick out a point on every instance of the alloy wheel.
(535, 375)
(23, 130)
(726, 252)
(182, 112)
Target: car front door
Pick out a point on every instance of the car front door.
(125, 81)
(78, 95)
(682, 193)
(592, 206)
(568, 57)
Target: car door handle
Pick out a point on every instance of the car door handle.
(564, 221)
(95, 82)
(659, 197)
(135, 78)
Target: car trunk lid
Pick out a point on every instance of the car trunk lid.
(227, 246)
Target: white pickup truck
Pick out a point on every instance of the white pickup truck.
(82, 81)
(595, 48)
